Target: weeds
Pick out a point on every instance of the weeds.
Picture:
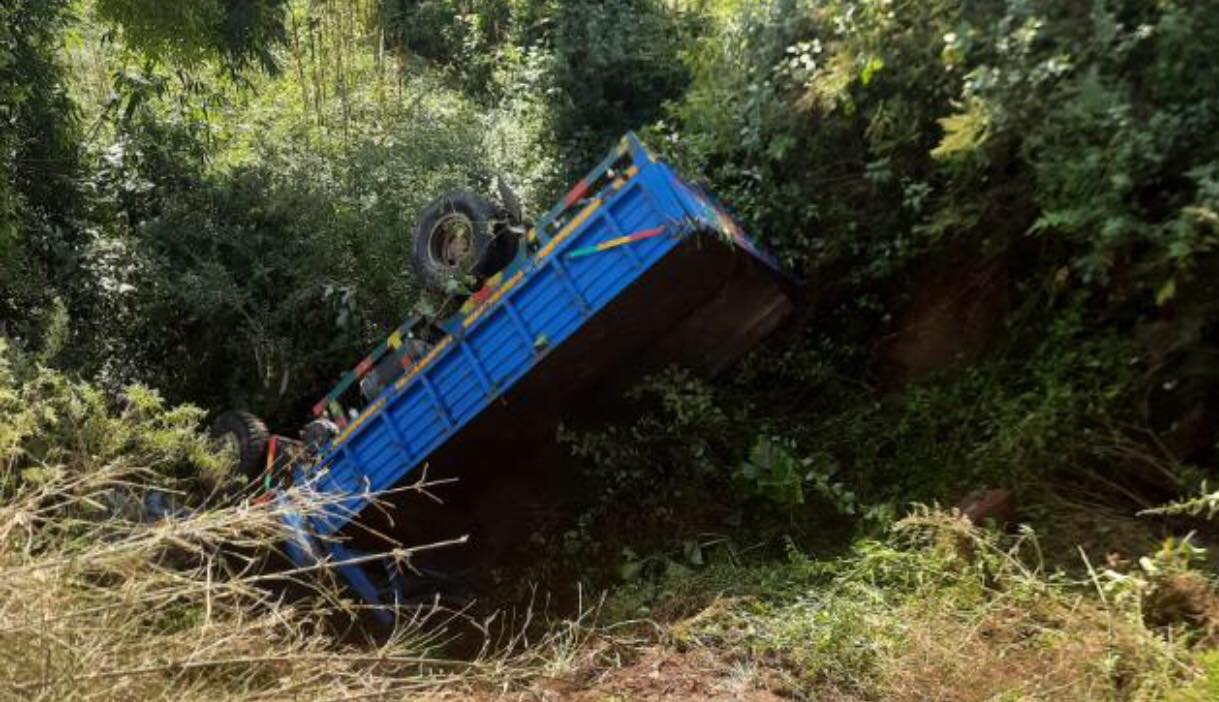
(95, 603)
(936, 610)
(101, 600)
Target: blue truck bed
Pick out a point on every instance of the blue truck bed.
(616, 227)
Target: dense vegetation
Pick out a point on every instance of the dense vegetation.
(1006, 213)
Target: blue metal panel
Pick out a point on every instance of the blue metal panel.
(545, 306)
(456, 386)
(501, 346)
(437, 403)
(419, 418)
(479, 372)
(400, 439)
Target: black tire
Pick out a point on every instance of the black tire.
(248, 437)
(456, 237)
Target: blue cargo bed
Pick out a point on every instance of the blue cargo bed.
(616, 228)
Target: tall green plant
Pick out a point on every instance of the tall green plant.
(44, 237)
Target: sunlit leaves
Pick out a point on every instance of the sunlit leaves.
(964, 132)
(238, 33)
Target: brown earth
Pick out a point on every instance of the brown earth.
(953, 312)
(657, 674)
(670, 676)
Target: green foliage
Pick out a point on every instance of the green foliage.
(663, 464)
(239, 33)
(42, 240)
(282, 268)
(465, 39)
(1205, 505)
(932, 609)
(615, 64)
(1060, 408)
(860, 136)
(964, 132)
(1206, 687)
(815, 121)
(261, 227)
(611, 66)
(1002, 421)
(773, 473)
(54, 429)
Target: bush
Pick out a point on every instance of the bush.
(58, 431)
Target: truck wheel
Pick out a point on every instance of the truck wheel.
(245, 437)
(453, 238)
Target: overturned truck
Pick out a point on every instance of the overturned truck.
(633, 270)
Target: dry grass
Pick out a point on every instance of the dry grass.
(942, 611)
(113, 609)
(94, 606)
(97, 603)
(1020, 633)
(1059, 650)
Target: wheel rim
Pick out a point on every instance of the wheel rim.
(451, 240)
